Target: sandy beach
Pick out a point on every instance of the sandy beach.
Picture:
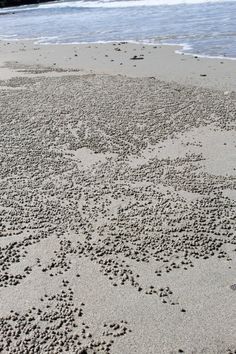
(117, 203)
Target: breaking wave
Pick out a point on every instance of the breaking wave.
(124, 3)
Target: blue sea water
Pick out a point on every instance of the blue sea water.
(203, 27)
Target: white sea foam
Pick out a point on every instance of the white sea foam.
(123, 3)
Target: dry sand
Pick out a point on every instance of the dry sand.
(117, 203)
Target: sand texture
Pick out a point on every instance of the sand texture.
(117, 215)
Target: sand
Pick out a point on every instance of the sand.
(117, 201)
(119, 59)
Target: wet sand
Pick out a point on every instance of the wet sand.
(126, 59)
(117, 201)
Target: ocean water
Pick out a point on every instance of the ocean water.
(202, 27)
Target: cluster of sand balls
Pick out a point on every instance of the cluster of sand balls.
(109, 212)
(55, 327)
(231, 351)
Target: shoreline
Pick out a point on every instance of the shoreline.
(184, 46)
(114, 58)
